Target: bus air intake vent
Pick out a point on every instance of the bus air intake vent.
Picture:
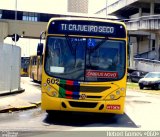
(93, 89)
(89, 89)
(94, 96)
(82, 104)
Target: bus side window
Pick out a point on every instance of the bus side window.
(32, 60)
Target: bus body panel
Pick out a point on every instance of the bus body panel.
(110, 106)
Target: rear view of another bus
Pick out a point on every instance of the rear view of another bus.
(25, 66)
(85, 66)
(35, 68)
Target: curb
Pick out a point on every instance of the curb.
(153, 92)
(12, 109)
(13, 92)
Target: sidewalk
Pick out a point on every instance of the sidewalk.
(30, 98)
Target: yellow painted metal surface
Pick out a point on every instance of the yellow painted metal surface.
(100, 102)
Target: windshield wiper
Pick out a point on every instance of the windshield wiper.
(70, 45)
(91, 50)
(72, 49)
(97, 46)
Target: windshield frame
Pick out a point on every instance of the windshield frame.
(86, 37)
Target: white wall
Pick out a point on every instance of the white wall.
(9, 68)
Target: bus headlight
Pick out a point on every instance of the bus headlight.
(122, 89)
(45, 84)
(51, 91)
(48, 89)
(116, 94)
(112, 96)
(54, 93)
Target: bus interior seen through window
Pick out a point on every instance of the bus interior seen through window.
(69, 58)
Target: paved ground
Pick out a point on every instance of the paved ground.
(23, 100)
(141, 113)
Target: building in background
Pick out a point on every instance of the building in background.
(29, 13)
(142, 18)
(78, 6)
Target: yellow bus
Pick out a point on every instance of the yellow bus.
(25, 66)
(35, 68)
(85, 66)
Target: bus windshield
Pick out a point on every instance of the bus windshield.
(85, 59)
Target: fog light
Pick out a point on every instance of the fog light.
(112, 96)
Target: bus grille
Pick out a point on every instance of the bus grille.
(88, 89)
(82, 104)
(93, 89)
(94, 96)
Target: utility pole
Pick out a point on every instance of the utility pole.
(15, 20)
(106, 8)
(15, 36)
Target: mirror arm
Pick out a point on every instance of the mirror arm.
(41, 35)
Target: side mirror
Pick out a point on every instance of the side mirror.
(40, 49)
(40, 45)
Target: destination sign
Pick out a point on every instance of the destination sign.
(88, 28)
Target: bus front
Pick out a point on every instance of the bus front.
(84, 66)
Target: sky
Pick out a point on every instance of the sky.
(56, 6)
(29, 46)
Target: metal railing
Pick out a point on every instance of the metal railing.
(151, 22)
(147, 55)
(118, 5)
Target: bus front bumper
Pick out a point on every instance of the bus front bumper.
(62, 104)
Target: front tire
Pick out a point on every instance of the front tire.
(157, 87)
(141, 87)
